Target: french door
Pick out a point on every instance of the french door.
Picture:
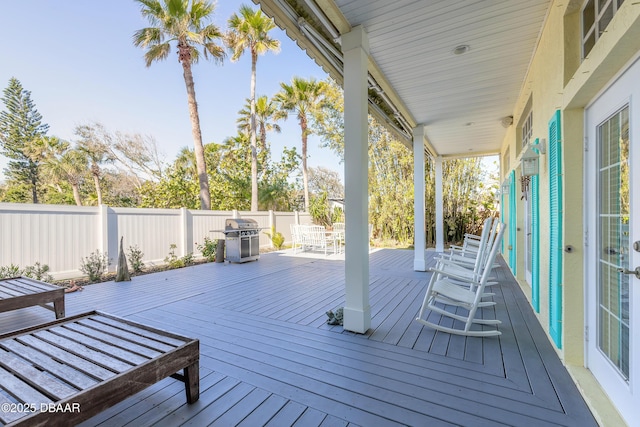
(613, 241)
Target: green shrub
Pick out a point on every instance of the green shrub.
(276, 237)
(187, 259)
(10, 271)
(95, 265)
(39, 272)
(208, 249)
(319, 210)
(135, 259)
(172, 259)
(337, 215)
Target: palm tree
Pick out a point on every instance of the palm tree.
(95, 142)
(67, 165)
(305, 98)
(250, 30)
(186, 22)
(266, 116)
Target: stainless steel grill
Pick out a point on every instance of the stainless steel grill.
(242, 237)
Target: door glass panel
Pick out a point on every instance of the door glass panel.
(613, 292)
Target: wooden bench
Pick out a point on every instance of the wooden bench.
(21, 292)
(65, 371)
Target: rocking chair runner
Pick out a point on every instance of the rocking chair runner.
(445, 288)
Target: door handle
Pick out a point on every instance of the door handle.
(635, 272)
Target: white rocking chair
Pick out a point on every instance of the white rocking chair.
(461, 288)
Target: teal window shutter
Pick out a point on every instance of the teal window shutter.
(555, 230)
(502, 220)
(535, 245)
(512, 223)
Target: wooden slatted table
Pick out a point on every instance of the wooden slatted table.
(65, 371)
(21, 292)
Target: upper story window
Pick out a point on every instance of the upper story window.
(527, 129)
(596, 16)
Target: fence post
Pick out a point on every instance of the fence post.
(235, 214)
(296, 216)
(186, 231)
(104, 236)
(272, 227)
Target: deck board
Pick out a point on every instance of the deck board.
(269, 358)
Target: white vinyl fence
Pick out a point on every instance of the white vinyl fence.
(61, 236)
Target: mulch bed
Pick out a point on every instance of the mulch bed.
(108, 277)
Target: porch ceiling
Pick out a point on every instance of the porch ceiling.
(461, 99)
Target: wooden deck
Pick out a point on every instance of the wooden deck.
(269, 358)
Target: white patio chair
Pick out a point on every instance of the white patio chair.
(319, 240)
(338, 236)
(444, 289)
(297, 238)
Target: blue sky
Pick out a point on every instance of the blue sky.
(77, 59)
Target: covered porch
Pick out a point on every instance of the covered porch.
(269, 358)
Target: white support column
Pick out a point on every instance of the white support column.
(439, 207)
(419, 245)
(357, 311)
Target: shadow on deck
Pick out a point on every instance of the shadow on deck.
(269, 358)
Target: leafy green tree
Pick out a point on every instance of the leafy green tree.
(231, 174)
(20, 125)
(15, 192)
(304, 98)
(177, 188)
(320, 210)
(229, 164)
(187, 23)
(250, 30)
(471, 197)
(279, 188)
(390, 186)
(329, 123)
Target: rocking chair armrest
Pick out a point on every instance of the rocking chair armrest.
(462, 259)
(462, 252)
(467, 264)
(453, 275)
(462, 265)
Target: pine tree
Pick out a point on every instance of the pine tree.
(20, 128)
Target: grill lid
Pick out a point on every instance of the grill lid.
(240, 224)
